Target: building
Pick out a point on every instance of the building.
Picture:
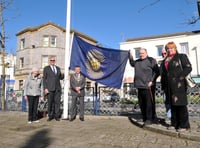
(9, 61)
(187, 42)
(36, 44)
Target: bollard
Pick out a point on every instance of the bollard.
(23, 104)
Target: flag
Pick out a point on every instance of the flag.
(103, 65)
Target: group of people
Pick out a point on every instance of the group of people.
(37, 86)
(173, 70)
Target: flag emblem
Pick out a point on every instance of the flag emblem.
(93, 63)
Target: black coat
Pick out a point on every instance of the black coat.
(164, 82)
(146, 70)
(51, 81)
(178, 68)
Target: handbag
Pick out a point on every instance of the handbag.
(190, 82)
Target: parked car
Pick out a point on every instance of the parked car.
(112, 97)
(89, 98)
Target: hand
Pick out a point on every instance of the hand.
(150, 84)
(131, 53)
(78, 89)
(46, 91)
(41, 98)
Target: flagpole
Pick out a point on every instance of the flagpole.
(67, 59)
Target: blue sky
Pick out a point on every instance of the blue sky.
(108, 21)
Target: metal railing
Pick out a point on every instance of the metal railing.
(110, 101)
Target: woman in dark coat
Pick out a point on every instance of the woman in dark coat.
(177, 66)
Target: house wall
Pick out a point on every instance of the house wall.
(151, 43)
(34, 49)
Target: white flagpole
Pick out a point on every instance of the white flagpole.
(67, 60)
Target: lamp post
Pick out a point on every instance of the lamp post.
(197, 63)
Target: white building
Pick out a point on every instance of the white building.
(187, 42)
(10, 62)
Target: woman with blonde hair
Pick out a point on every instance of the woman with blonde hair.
(33, 89)
(177, 66)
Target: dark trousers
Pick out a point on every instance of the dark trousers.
(77, 101)
(180, 117)
(54, 98)
(32, 107)
(147, 104)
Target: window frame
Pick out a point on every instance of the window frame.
(21, 62)
(159, 50)
(49, 41)
(46, 62)
(137, 52)
(184, 47)
(22, 43)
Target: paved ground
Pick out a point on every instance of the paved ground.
(94, 132)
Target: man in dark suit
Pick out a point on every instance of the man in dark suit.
(77, 84)
(52, 88)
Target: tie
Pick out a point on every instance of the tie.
(53, 69)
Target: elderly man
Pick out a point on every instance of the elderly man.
(146, 73)
(52, 88)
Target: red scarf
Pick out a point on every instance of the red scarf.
(168, 59)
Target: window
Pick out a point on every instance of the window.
(184, 48)
(45, 60)
(159, 50)
(88, 84)
(21, 62)
(45, 41)
(49, 41)
(53, 41)
(20, 84)
(22, 43)
(137, 53)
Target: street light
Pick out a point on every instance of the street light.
(197, 65)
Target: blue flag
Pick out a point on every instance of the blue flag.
(103, 65)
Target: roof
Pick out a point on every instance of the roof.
(163, 35)
(32, 29)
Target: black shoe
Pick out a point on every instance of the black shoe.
(49, 119)
(71, 119)
(82, 119)
(148, 122)
(57, 119)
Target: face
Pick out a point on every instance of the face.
(77, 69)
(35, 72)
(171, 51)
(164, 53)
(143, 53)
(52, 61)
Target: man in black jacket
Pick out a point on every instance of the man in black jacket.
(146, 73)
(52, 88)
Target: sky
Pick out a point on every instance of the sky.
(107, 21)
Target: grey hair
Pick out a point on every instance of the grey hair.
(35, 69)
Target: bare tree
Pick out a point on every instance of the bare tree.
(3, 5)
(190, 21)
(149, 5)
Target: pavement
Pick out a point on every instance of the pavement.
(94, 132)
